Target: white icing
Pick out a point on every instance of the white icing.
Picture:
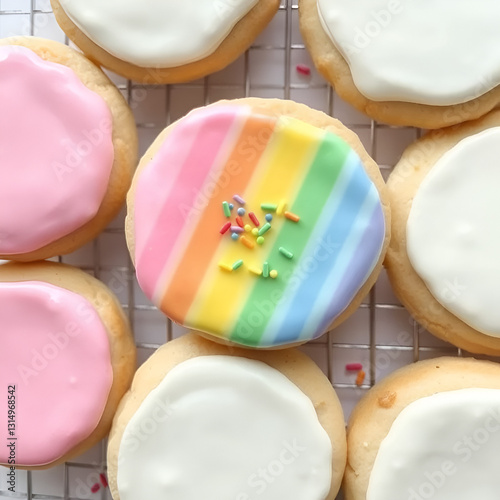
(436, 52)
(157, 33)
(453, 231)
(221, 427)
(444, 447)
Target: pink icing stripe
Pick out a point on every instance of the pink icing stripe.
(55, 351)
(56, 151)
(178, 203)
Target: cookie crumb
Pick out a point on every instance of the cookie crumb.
(387, 400)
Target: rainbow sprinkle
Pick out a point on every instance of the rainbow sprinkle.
(225, 228)
(292, 217)
(236, 229)
(239, 199)
(264, 229)
(237, 264)
(248, 228)
(240, 222)
(235, 236)
(269, 217)
(286, 253)
(248, 243)
(281, 207)
(273, 274)
(255, 270)
(241, 211)
(265, 270)
(225, 267)
(231, 206)
(254, 219)
(260, 240)
(269, 207)
(226, 209)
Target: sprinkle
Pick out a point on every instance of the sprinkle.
(269, 207)
(265, 270)
(241, 211)
(237, 264)
(269, 217)
(239, 221)
(260, 240)
(236, 229)
(104, 481)
(254, 219)
(286, 253)
(255, 231)
(273, 274)
(248, 243)
(231, 206)
(225, 228)
(248, 228)
(235, 236)
(264, 229)
(293, 217)
(239, 199)
(303, 69)
(281, 207)
(255, 270)
(95, 488)
(225, 207)
(353, 367)
(225, 267)
(360, 378)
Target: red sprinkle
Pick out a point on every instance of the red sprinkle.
(254, 219)
(303, 69)
(95, 488)
(353, 367)
(239, 221)
(225, 228)
(104, 481)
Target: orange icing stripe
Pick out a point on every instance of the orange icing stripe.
(205, 240)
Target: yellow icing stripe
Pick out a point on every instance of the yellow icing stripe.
(278, 176)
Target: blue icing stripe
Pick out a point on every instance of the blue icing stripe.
(339, 221)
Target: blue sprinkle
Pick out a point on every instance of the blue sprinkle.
(231, 206)
(269, 217)
(235, 236)
(241, 211)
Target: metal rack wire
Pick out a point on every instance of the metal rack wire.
(380, 333)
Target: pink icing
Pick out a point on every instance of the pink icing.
(56, 151)
(55, 350)
(189, 167)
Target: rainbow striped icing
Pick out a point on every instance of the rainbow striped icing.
(304, 274)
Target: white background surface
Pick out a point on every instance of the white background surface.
(380, 334)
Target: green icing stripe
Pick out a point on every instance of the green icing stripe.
(308, 205)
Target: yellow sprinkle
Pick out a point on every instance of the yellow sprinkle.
(273, 274)
(281, 207)
(225, 267)
(255, 231)
(255, 270)
(248, 228)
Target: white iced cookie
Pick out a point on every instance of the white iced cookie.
(430, 430)
(202, 421)
(163, 41)
(443, 260)
(379, 52)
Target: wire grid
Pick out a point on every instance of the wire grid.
(380, 334)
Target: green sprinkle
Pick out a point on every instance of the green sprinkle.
(265, 270)
(271, 207)
(237, 264)
(227, 210)
(264, 229)
(260, 240)
(286, 253)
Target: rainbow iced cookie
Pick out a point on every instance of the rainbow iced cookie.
(443, 258)
(208, 421)
(408, 62)
(68, 148)
(257, 222)
(164, 41)
(67, 356)
(429, 430)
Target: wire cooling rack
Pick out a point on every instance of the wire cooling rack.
(380, 334)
